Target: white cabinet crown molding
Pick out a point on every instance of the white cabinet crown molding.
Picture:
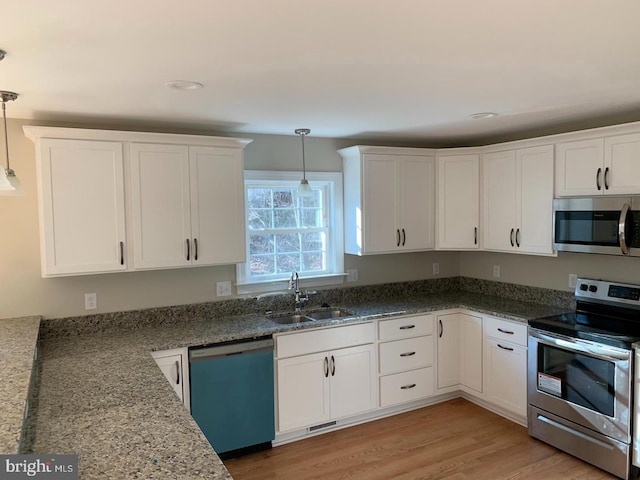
(34, 133)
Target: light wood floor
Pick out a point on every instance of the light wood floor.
(455, 440)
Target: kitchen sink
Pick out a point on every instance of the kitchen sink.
(290, 319)
(328, 314)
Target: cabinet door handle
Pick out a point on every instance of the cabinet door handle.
(506, 348)
(404, 237)
(518, 238)
(326, 367)
(195, 249)
(407, 387)
(511, 237)
(508, 332)
(441, 328)
(177, 372)
(606, 178)
(407, 327)
(475, 235)
(407, 354)
(333, 366)
(188, 250)
(397, 237)
(121, 253)
(598, 173)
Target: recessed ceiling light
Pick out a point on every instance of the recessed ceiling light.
(483, 115)
(184, 85)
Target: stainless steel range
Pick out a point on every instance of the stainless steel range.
(580, 373)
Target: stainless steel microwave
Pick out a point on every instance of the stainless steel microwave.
(607, 225)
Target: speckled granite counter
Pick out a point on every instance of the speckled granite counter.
(103, 397)
(18, 340)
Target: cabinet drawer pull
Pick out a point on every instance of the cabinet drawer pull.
(598, 173)
(407, 387)
(404, 237)
(195, 249)
(397, 237)
(407, 354)
(177, 372)
(606, 178)
(333, 366)
(518, 238)
(441, 328)
(475, 235)
(326, 367)
(121, 253)
(511, 237)
(505, 348)
(188, 250)
(407, 327)
(508, 332)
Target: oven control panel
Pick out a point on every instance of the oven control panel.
(602, 290)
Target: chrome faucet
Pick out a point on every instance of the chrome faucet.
(300, 299)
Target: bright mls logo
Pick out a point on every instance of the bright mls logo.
(51, 467)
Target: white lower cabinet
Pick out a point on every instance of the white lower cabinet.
(174, 364)
(314, 388)
(406, 355)
(505, 365)
(460, 351)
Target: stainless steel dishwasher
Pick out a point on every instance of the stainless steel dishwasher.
(232, 395)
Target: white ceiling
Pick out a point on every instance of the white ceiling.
(402, 70)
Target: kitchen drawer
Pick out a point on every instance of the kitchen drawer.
(405, 327)
(406, 354)
(321, 340)
(513, 332)
(406, 386)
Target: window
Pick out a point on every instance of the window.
(287, 232)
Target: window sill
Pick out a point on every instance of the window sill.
(283, 285)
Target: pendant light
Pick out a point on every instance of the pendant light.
(9, 183)
(304, 190)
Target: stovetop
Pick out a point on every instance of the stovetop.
(606, 312)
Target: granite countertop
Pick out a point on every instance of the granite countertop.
(103, 397)
(18, 340)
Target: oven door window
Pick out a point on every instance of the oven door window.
(577, 378)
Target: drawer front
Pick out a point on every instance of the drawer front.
(406, 354)
(405, 327)
(321, 340)
(513, 332)
(406, 386)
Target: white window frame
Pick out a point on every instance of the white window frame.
(335, 240)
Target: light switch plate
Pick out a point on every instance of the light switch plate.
(436, 268)
(496, 271)
(223, 289)
(352, 275)
(573, 279)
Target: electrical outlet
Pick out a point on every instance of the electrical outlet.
(90, 301)
(496, 271)
(573, 279)
(352, 275)
(223, 289)
(436, 268)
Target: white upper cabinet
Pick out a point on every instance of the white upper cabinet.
(187, 206)
(82, 207)
(389, 200)
(114, 201)
(458, 225)
(518, 200)
(599, 166)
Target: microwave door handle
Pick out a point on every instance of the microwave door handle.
(622, 227)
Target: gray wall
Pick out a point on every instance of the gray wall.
(24, 292)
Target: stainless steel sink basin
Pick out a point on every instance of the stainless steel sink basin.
(290, 319)
(328, 314)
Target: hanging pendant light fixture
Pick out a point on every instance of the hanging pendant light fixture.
(304, 189)
(9, 182)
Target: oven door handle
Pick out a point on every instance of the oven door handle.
(622, 226)
(602, 351)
